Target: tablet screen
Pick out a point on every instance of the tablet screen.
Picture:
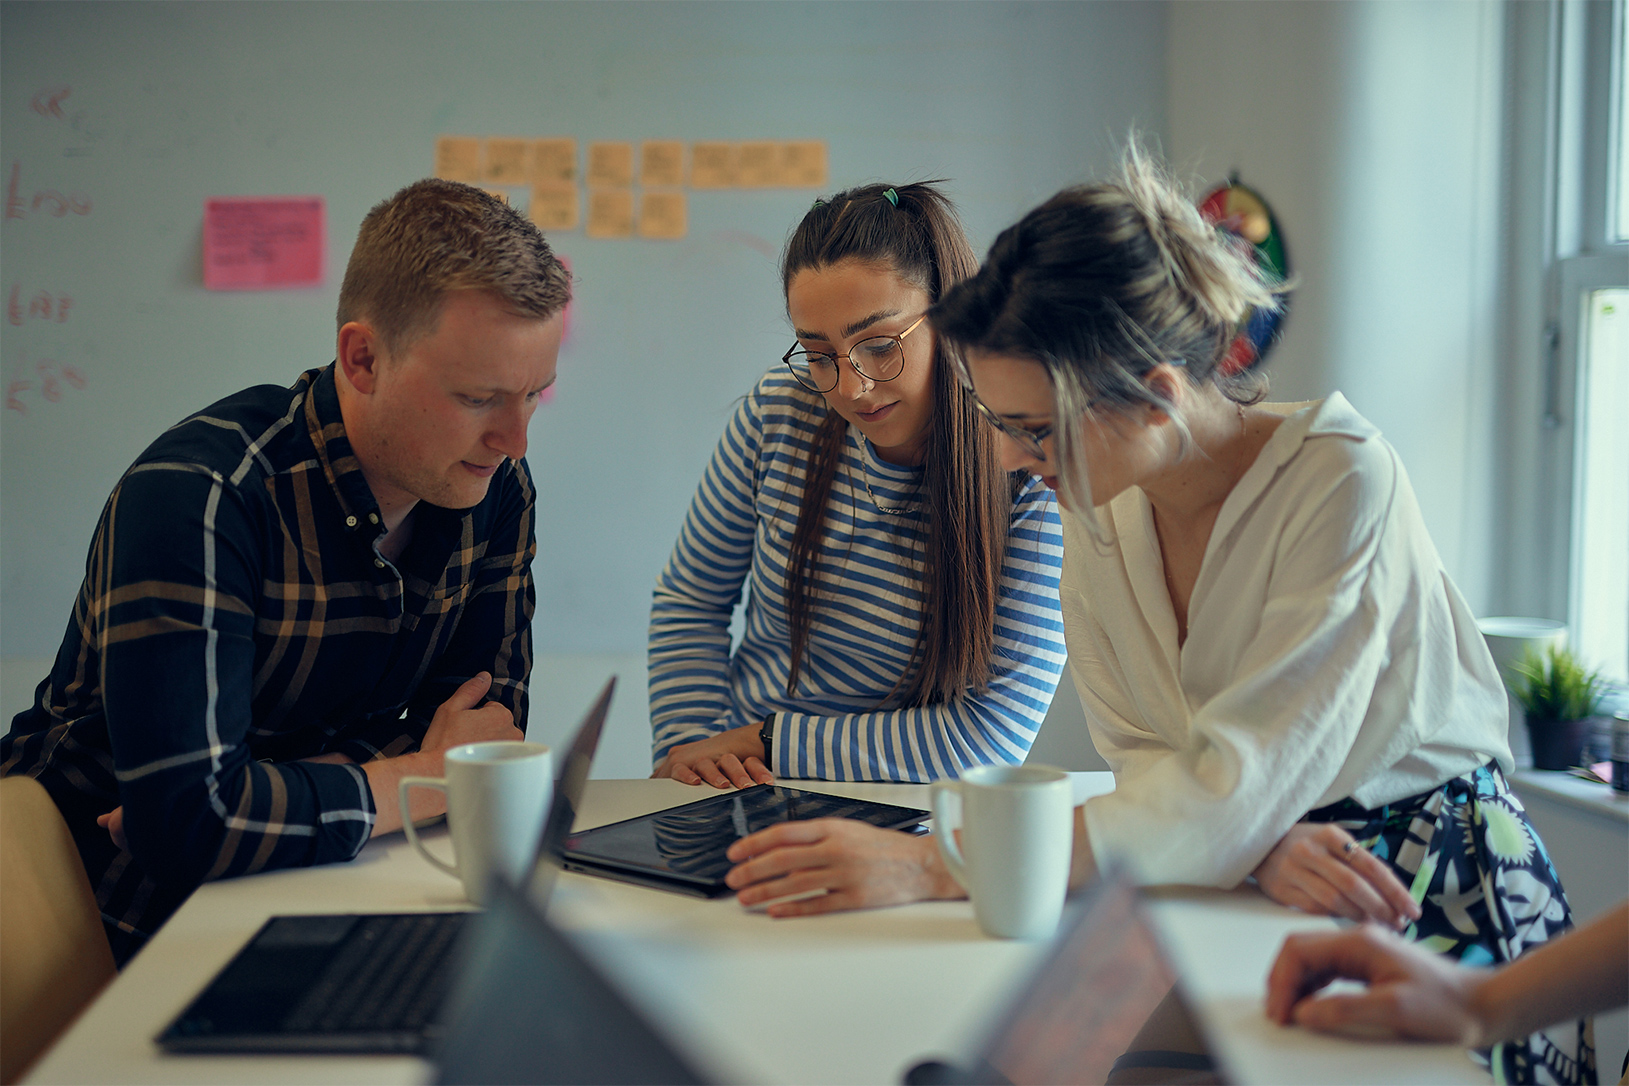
(688, 843)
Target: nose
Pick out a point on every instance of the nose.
(850, 382)
(1014, 457)
(508, 433)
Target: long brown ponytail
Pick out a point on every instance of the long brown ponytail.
(967, 497)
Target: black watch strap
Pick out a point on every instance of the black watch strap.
(766, 736)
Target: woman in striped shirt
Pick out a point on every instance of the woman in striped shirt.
(902, 616)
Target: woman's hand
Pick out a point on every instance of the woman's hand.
(735, 757)
(1319, 868)
(859, 866)
(1412, 993)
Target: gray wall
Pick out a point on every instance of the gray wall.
(173, 103)
(1374, 129)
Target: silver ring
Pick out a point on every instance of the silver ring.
(1347, 850)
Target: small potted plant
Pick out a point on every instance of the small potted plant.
(1559, 696)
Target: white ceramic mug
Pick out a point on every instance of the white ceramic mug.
(1509, 639)
(1017, 840)
(497, 801)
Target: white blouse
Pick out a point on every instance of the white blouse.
(1328, 655)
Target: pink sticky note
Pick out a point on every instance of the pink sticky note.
(263, 242)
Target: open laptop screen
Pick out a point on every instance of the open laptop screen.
(1104, 1002)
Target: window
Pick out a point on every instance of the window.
(1589, 319)
(1600, 560)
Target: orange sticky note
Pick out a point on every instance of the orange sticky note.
(610, 213)
(661, 163)
(554, 160)
(459, 158)
(712, 165)
(662, 215)
(759, 165)
(263, 242)
(610, 165)
(506, 161)
(803, 164)
(554, 206)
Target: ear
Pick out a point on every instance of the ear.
(1167, 382)
(359, 356)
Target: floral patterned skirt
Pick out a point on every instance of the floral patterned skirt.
(1488, 893)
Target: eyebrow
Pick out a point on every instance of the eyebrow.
(863, 322)
(496, 390)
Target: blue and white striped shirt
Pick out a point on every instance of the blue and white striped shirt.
(865, 616)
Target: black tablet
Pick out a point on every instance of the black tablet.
(682, 848)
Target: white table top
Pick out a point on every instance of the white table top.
(848, 998)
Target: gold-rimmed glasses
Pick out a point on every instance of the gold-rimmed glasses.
(877, 359)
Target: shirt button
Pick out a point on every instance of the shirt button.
(380, 562)
(373, 518)
(350, 522)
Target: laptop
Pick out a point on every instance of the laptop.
(362, 983)
(530, 1007)
(682, 849)
(1104, 1002)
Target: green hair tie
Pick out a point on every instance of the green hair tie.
(891, 196)
(818, 203)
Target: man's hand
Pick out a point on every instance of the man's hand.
(735, 757)
(859, 866)
(1318, 868)
(113, 823)
(461, 719)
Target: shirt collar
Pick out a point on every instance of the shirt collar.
(340, 466)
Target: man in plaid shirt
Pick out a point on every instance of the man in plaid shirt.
(298, 596)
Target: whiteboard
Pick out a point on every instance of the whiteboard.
(119, 120)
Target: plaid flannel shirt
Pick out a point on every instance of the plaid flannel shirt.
(235, 618)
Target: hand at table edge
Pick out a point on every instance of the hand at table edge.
(730, 759)
(856, 864)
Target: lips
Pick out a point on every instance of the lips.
(879, 414)
(483, 471)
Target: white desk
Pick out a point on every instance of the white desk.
(849, 998)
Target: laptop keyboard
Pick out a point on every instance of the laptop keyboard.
(390, 975)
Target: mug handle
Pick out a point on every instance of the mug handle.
(945, 836)
(440, 785)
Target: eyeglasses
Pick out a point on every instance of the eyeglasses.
(878, 359)
(1025, 438)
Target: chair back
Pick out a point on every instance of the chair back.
(54, 955)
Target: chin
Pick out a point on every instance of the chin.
(462, 495)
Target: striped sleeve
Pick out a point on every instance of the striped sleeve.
(993, 726)
(697, 592)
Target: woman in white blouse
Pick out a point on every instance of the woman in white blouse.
(1270, 655)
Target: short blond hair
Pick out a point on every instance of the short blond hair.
(434, 237)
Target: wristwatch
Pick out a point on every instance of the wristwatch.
(766, 736)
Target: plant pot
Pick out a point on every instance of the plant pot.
(1557, 744)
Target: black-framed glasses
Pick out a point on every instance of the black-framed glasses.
(877, 359)
(1027, 439)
